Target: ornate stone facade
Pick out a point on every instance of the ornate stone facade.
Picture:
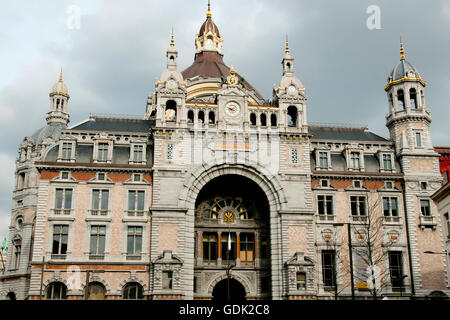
(215, 183)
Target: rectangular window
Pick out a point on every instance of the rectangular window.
(100, 200)
(134, 241)
(396, 269)
(328, 268)
(17, 253)
(102, 151)
(390, 207)
(325, 205)
(354, 160)
(425, 208)
(301, 281)
(418, 139)
(247, 247)
(138, 153)
(97, 247)
(209, 246)
(323, 160)
(136, 202)
(358, 205)
(387, 161)
(60, 239)
(447, 220)
(66, 152)
(170, 151)
(63, 201)
(167, 277)
(228, 246)
(294, 156)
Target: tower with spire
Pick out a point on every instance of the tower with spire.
(59, 98)
(208, 38)
(409, 122)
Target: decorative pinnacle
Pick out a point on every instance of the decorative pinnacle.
(286, 50)
(60, 76)
(208, 13)
(172, 41)
(232, 70)
(402, 51)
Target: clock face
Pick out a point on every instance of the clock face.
(292, 90)
(232, 109)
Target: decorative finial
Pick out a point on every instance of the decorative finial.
(172, 41)
(402, 51)
(232, 70)
(208, 13)
(60, 76)
(287, 45)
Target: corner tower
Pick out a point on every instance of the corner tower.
(409, 122)
(59, 98)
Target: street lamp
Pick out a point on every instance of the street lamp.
(349, 253)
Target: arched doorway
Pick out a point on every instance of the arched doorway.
(229, 290)
(232, 232)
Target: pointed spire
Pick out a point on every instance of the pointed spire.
(172, 41)
(60, 76)
(208, 13)
(402, 51)
(286, 50)
(232, 70)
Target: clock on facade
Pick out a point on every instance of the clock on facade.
(232, 109)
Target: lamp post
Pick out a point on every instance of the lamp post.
(349, 234)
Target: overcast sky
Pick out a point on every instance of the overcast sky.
(110, 63)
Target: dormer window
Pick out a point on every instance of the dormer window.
(355, 162)
(103, 151)
(66, 151)
(387, 161)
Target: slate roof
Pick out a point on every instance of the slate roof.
(121, 125)
(350, 134)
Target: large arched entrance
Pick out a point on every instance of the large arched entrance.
(229, 290)
(232, 236)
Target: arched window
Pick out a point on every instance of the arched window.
(57, 104)
(292, 116)
(96, 291)
(201, 117)
(413, 98)
(172, 60)
(190, 116)
(401, 98)
(56, 291)
(171, 111)
(253, 119)
(212, 117)
(19, 223)
(263, 119)
(288, 67)
(132, 291)
(273, 120)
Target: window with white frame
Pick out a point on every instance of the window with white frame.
(66, 150)
(60, 240)
(325, 205)
(390, 206)
(102, 151)
(355, 161)
(63, 201)
(100, 199)
(97, 242)
(387, 161)
(134, 241)
(65, 175)
(418, 137)
(358, 205)
(323, 159)
(138, 153)
(136, 202)
(137, 177)
(425, 207)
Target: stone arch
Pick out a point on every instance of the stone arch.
(96, 278)
(268, 183)
(56, 279)
(131, 279)
(236, 277)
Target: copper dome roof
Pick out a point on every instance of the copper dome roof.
(207, 26)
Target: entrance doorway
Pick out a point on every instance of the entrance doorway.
(228, 290)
